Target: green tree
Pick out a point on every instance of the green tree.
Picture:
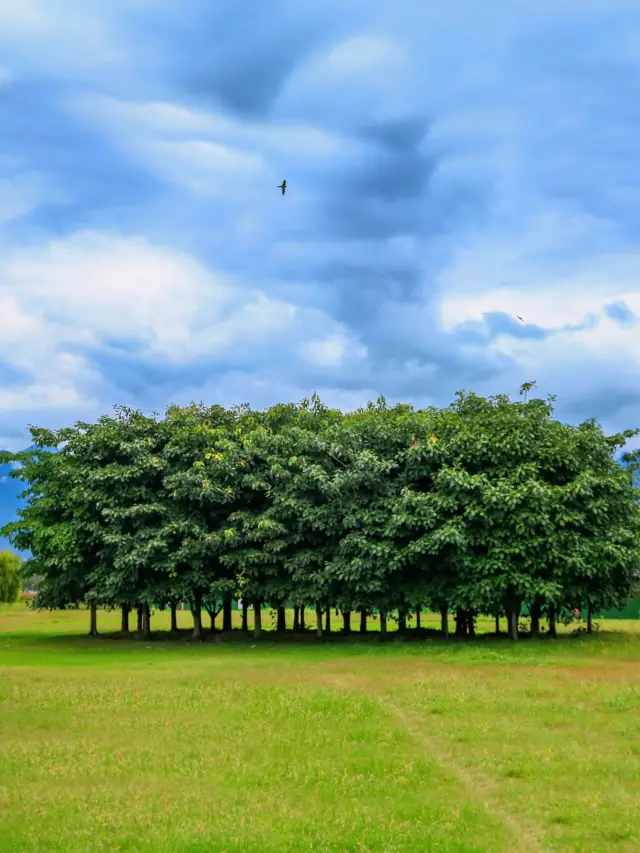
(366, 568)
(120, 508)
(600, 540)
(46, 525)
(526, 387)
(10, 576)
(283, 532)
(205, 477)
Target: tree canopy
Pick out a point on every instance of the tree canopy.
(485, 506)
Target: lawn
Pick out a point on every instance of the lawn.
(280, 746)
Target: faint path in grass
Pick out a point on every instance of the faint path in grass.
(527, 837)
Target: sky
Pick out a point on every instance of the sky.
(449, 166)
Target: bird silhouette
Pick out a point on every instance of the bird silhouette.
(520, 318)
(283, 187)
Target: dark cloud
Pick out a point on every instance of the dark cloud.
(499, 323)
(607, 401)
(403, 134)
(94, 183)
(238, 56)
(620, 312)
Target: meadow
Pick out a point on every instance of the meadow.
(289, 744)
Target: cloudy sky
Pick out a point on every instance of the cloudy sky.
(449, 166)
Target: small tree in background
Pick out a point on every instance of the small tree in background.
(10, 578)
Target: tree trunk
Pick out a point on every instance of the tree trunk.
(589, 619)
(497, 625)
(328, 620)
(282, 619)
(461, 622)
(212, 616)
(551, 615)
(418, 618)
(402, 622)
(93, 626)
(227, 615)
(257, 619)
(444, 621)
(196, 611)
(124, 627)
(174, 617)
(245, 617)
(513, 614)
(139, 623)
(363, 621)
(383, 624)
(303, 626)
(471, 623)
(346, 616)
(319, 619)
(535, 609)
(146, 622)
(296, 619)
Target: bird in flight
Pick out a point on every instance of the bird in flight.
(283, 187)
(520, 318)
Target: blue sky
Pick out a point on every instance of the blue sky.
(449, 166)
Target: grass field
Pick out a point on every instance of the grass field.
(116, 745)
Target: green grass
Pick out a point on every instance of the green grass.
(124, 745)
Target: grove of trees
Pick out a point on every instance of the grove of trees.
(481, 507)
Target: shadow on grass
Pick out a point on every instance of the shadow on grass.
(425, 637)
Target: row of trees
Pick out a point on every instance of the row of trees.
(10, 576)
(480, 507)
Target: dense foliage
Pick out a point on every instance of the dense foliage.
(485, 506)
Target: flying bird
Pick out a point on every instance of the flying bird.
(283, 187)
(520, 318)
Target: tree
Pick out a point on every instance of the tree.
(10, 576)
(600, 541)
(367, 567)
(281, 537)
(205, 476)
(526, 387)
(46, 525)
(120, 508)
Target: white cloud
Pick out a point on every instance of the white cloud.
(332, 350)
(587, 355)
(362, 78)
(325, 353)
(162, 119)
(95, 291)
(83, 38)
(94, 287)
(204, 168)
(21, 15)
(555, 302)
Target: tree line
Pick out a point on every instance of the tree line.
(481, 507)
